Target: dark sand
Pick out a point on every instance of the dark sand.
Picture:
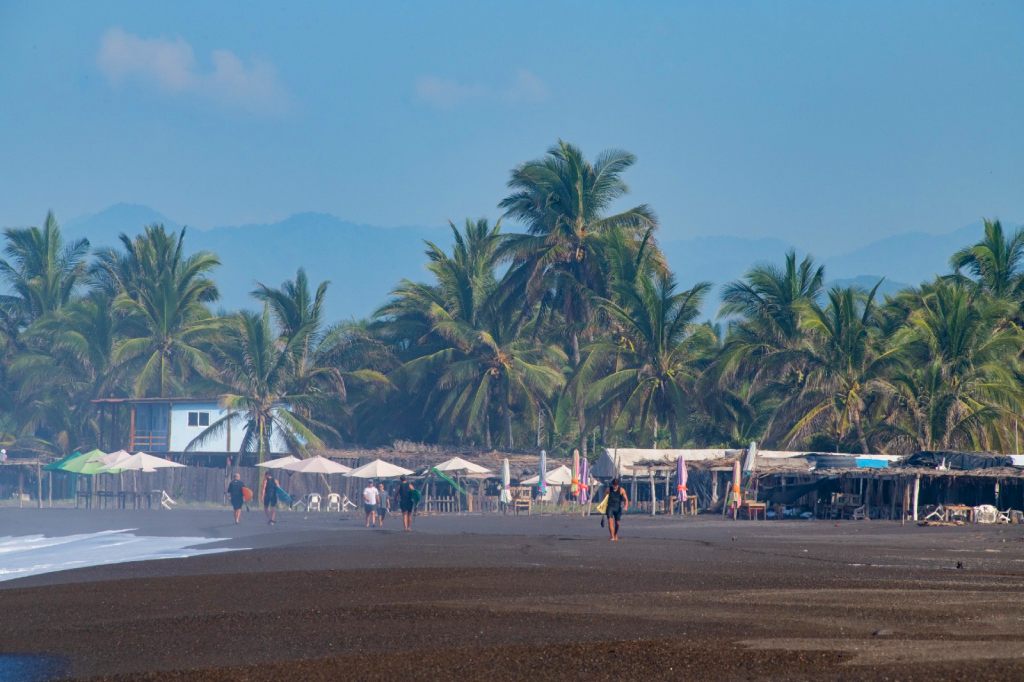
(545, 597)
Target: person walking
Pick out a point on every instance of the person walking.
(269, 495)
(370, 498)
(383, 504)
(616, 502)
(236, 491)
(406, 502)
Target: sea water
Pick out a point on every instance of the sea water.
(26, 555)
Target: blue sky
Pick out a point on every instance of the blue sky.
(827, 124)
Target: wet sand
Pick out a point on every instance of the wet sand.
(322, 598)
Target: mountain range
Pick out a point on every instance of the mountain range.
(364, 262)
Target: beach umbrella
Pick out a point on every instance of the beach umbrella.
(279, 462)
(141, 461)
(584, 481)
(315, 465)
(575, 489)
(506, 482)
(87, 464)
(737, 477)
(681, 479)
(542, 487)
(115, 457)
(378, 468)
(56, 464)
(459, 465)
(750, 461)
(561, 475)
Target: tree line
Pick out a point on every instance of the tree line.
(570, 332)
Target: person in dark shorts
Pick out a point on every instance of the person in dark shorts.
(234, 491)
(383, 505)
(406, 502)
(270, 498)
(617, 503)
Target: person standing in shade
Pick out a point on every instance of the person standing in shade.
(383, 504)
(406, 502)
(237, 496)
(269, 495)
(370, 497)
(617, 504)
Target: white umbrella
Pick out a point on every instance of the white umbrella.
(457, 464)
(560, 476)
(278, 463)
(115, 457)
(140, 461)
(316, 465)
(542, 487)
(506, 481)
(378, 468)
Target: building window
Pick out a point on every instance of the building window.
(198, 418)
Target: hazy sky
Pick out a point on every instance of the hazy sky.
(824, 123)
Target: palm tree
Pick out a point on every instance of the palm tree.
(162, 296)
(994, 261)
(41, 271)
(562, 198)
(960, 372)
(255, 368)
(846, 366)
(470, 362)
(654, 353)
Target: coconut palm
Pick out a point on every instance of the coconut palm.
(40, 270)
(162, 296)
(562, 198)
(654, 355)
(255, 368)
(994, 261)
(846, 364)
(960, 372)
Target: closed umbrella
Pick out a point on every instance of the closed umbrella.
(574, 490)
(506, 482)
(681, 479)
(737, 477)
(584, 481)
(378, 468)
(542, 487)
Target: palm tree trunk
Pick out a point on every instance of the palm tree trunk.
(575, 349)
(508, 425)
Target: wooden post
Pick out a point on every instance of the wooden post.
(892, 502)
(917, 495)
(39, 485)
(21, 485)
(49, 487)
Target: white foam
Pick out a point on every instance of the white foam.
(26, 555)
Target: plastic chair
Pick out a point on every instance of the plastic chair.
(333, 502)
(313, 502)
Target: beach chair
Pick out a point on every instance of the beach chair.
(333, 502)
(347, 504)
(313, 502)
(166, 501)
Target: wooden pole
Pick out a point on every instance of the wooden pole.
(39, 485)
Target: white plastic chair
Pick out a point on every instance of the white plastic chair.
(347, 503)
(166, 501)
(313, 502)
(333, 502)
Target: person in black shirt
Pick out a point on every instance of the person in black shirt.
(406, 502)
(270, 498)
(234, 491)
(617, 503)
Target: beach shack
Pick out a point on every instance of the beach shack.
(170, 425)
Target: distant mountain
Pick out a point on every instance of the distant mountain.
(364, 262)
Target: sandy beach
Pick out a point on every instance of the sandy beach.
(490, 597)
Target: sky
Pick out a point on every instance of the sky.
(826, 124)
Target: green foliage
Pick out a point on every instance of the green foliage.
(571, 333)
